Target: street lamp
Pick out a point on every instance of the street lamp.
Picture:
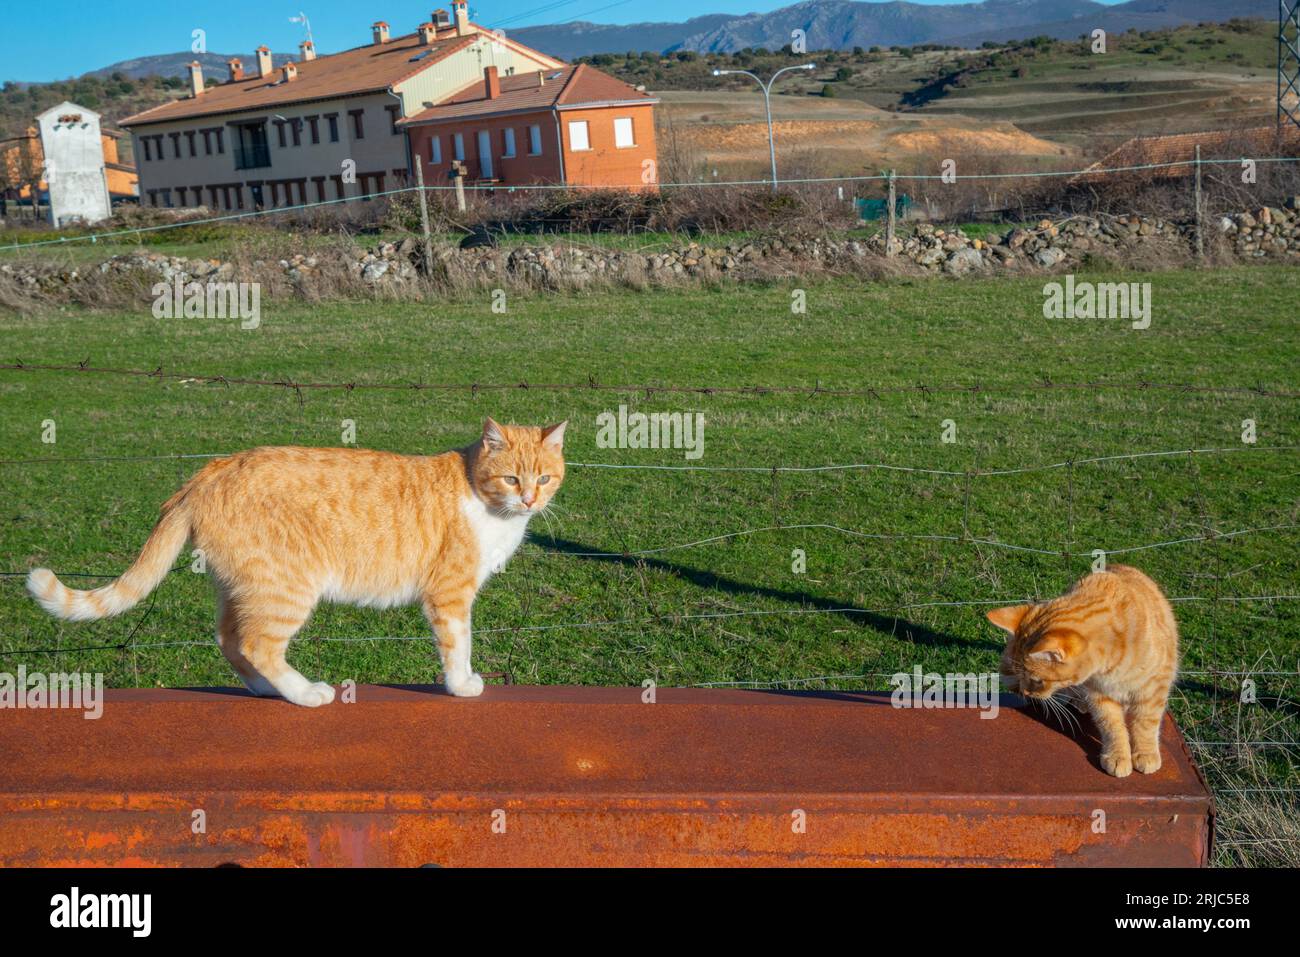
(767, 102)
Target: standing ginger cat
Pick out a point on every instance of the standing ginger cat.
(284, 528)
(1114, 637)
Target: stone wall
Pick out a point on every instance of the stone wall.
(1267, 234)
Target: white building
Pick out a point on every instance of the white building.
(74, 164)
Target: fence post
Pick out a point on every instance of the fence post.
(424, 213)
(458, 171)
(889, 222)
(1200, 233)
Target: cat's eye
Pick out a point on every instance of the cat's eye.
(543, 479)
(511, 480)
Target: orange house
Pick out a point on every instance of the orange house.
(573, 126)
(22, 161)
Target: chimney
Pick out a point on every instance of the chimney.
(196, 78)
(288, 72)
(263, 62)
(460, 10)
(541, 79)
(491, 82)
(307, 50)
(428, 33)
(441, 19)
(236, 66)
(379, 32)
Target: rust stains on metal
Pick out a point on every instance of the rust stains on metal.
(578, 776)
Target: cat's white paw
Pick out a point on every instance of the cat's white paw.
(317, 694)
(470, 687)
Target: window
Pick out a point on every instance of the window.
(485, 154)
(176, 147)
(251, 149)
(221, 141)
(458, 146)
(534, 141)
(392, 118)
(189, 136)
(508, 140)
(623, 137)
(333, 119)
(279, 128)
(358, 130)
(313, 123)
(144, 142)
(435, 149)
(578, 139)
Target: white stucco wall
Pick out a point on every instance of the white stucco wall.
(74, 164)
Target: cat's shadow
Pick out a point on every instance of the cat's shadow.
(891, 625)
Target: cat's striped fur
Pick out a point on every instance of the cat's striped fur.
(1113, 637)
(281, 529)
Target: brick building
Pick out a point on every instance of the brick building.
(333, 127)
(574, 126)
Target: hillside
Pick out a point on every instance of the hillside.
(1186, 78)
(177, 64)
(842, 25)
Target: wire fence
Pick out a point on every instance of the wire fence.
(593, 384)
(1092, 171)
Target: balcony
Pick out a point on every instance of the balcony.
(252, 157)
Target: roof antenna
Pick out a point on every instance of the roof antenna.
(306, 25)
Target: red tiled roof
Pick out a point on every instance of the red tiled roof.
(578, 85)
(363, 69)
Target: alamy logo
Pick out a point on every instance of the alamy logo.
(37, 690)
(1101, 300)
(933, 690)
(134, 911)
(210, 300)
(656, 430)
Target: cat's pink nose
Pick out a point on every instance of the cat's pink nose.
(528, 498)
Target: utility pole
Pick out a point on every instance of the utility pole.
(1288, 63)
(767, 104)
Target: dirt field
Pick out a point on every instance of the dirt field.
(848, 137)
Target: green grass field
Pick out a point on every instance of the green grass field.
(651, 604)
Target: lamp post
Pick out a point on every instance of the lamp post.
(767, 103)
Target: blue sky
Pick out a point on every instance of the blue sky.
(106, 33)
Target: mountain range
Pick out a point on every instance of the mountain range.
(827, 24)
(844, 24)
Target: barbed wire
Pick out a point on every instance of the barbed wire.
(579, 187)
(882, 611)
(752, 469)
(592, 384)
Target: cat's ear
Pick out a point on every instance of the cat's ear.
(1053, 648)
(493, 435)
(1008, 618)
(553, 435)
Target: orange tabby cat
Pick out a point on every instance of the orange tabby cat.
(1113, 636)
(284, 528)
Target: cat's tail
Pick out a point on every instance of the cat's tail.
(150, 567)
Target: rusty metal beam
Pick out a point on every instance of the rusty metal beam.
(577, 776)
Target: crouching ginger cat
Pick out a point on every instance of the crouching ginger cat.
(284, 528)
(1113, 637)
